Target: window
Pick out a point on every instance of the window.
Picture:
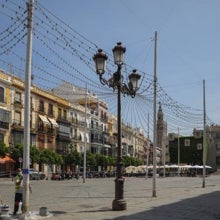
(18, 97)
(2, 137)
(32, 103)
(187, 142)
(50, 109)
(2, 94)
(17, 118)
(59, 113)
(199, 146)
(218, 146)
(64, 114)
(41, 107)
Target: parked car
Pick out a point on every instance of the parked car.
(57, 176)
(36, 175)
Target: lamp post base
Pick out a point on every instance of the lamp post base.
(119, 205)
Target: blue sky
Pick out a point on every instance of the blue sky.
(188, 41)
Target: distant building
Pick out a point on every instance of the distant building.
(161, 136)
(190, 150)
(213, 141)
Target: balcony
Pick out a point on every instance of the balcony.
(104, 119)
(95, 113)
(96, 128)
(63, 120)
(76, 137)
(18, 104)
(77, 122)
(42, 129)
(4, 125)
(16, 123)
(51, 132)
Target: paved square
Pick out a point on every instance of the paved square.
(177, 198)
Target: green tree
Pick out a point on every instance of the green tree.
(102, 160)
(16, 152)
(73, 158)
(34, 154)
(130, 161)
(90, 159)
(3, 149)
(112, 161)
(127, 161)
(50, 158)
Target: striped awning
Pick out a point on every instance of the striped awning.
(44, 119)
(53, 122)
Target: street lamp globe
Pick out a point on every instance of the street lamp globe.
(100, 62)
(119, 54)
(134, 80)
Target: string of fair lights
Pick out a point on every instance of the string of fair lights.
(62, 54)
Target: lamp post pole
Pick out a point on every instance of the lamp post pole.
(119, 203)
(155, 117)
(130, 89)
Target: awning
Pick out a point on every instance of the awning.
(6, 159)
(53, 122)
(82, 136)
(107, 146)
(87, 138)
(44, 119)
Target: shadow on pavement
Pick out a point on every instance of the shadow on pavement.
(97, 210)
(57, 212)
(204, 207)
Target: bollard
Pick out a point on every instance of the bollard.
(43, 211)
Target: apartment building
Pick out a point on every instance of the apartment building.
(62, 119)
(5, 107)
(140, 145)
(128, 142)
(80, 128)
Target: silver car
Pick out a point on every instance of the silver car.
(36, 175)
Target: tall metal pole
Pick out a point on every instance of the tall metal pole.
(119, 203)
(204, 136)
(155, 119)
(26, 150)
(148, 124)
(148, 148)
(178, 152)
(164, 158)
(85, 140)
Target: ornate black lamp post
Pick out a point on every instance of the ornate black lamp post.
(130, 89)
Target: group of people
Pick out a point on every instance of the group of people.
(18, 190)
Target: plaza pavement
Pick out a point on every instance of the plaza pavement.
(177, 198)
